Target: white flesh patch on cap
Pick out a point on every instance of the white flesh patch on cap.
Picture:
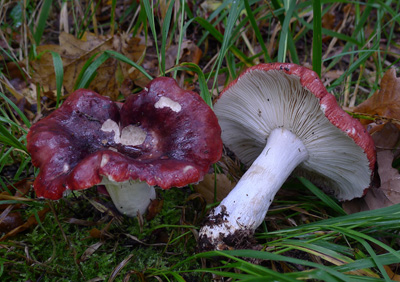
(323, 108)
(131, 135)
(104, 160)
(169, 103)
(65, 168)
(264, 100)
(186, 168)
(111, 126)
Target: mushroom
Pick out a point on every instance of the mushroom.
(278, 118)
(164, 136)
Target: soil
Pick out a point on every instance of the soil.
(240, 239)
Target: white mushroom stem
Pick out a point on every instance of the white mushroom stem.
(247, 204)
(130, 197)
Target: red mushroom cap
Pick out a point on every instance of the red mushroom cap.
(176, 137)
(248, 96)
(310, 80)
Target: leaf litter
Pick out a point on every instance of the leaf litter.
(76, 52)
(382, 110)
(383, 127)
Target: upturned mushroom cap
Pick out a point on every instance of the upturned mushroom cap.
(278, 95)
(164, 135)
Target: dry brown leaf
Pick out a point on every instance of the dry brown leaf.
(384, 105)
(18, 191)
(136, 239)
(9, 220)
(386, 138)
(18, 83)
(81, 222)
(75, 53)
(384, 102)
(90, 251)
(374, 199)
(20, 188)
(390, 177)
(328, 20)
(30, 222)
(119, 267)
(189, 53)
(95, 233)
(206, 187)
(154, 208)
(393, 276)
(386, 195)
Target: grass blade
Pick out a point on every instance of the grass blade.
(59, 72)
(285, 31)
(317, 38)
(164, 34)
(44, 14)
(150, 18)
(7, 138)
(323, 197)
(125, 59)
(254, 25)
(232, 18)
(19, 112)
(204, 92)
(90, 70)
(89, 73)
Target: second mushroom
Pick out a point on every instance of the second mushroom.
(278, 119)
(164, 136)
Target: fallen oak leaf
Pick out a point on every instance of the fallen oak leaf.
(382, 110)
(385, 102)
(30, 222)
(189, 53)
(377, 120)
(386, 139)
(16, 82)
(154, 208)
(76, 52)
(386, 136)
(206, 187)
(9, 220)
(390, 177)
(20, 188)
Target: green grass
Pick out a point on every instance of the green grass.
(306, 236)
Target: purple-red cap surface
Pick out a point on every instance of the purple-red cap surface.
(164, 135)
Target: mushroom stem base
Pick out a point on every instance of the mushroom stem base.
(245, 207)
(130, 197)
